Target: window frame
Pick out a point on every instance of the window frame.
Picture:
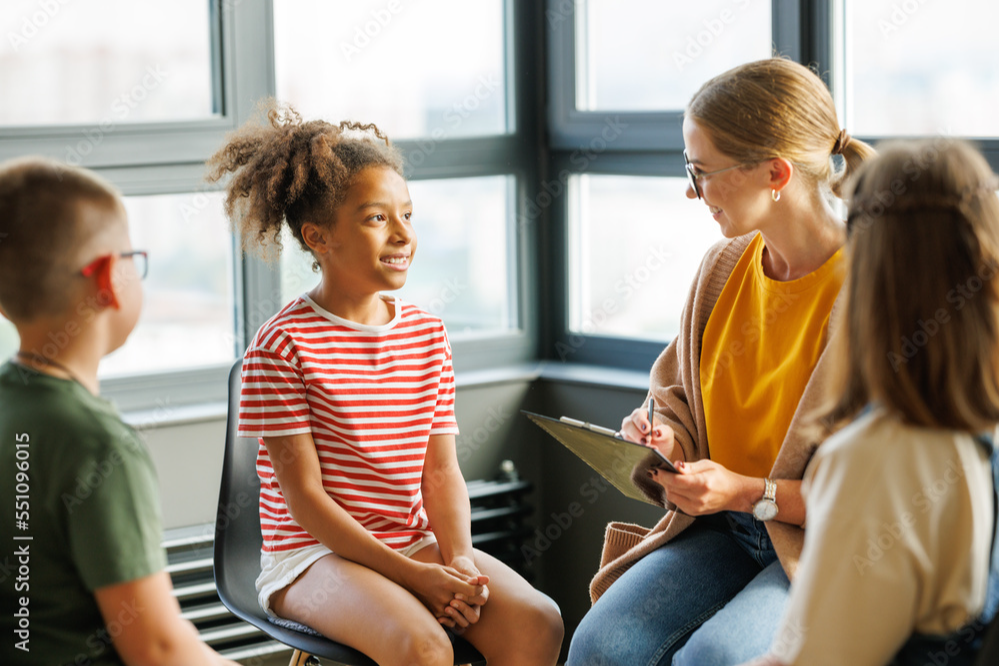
(161, 142)
(168, 158)
(545, 132)
(572, 129)
(650, 145)
(833, 31)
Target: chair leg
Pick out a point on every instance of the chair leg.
(299, 658)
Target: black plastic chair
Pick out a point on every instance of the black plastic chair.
(237, 552)
(989, 653)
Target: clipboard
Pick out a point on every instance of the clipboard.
(611, 456)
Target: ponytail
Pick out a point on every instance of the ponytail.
(855, 153)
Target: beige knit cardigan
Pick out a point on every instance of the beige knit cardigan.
(675, 383)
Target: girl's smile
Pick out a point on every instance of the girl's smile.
(399, 262)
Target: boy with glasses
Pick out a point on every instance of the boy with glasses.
(79, 507)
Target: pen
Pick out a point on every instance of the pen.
(652, 414)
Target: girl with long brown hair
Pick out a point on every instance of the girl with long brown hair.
(896, 565)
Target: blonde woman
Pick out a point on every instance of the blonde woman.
(707, 585)
(896, 564)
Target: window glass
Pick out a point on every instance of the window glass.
(649, 55)
(635, 244)
(104, 62)
(461, 271)
(918, 68)
(8, 339)
(433, 68)
(187, 314)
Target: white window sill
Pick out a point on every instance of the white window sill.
(566, 373)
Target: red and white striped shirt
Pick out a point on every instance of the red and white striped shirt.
(370, 396)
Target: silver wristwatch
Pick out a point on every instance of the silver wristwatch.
(766, 508)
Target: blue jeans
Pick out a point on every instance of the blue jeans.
(711, 597)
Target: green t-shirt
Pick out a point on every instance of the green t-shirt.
(79, 510)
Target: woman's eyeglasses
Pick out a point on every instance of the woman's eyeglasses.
(693, 175)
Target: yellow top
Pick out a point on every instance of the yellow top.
(760, 345)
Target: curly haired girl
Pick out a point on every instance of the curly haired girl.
(364, 512)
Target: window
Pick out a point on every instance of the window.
(8, 339)
(635, 244)
(620, 74)
(428, 69)
(440, 78)
(144, 93)
(105, 62)
(461, 269)
(464, 274)
(920, 68)
(627, 242)
(187, 318)
(648, 55)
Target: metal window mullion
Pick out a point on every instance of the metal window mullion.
(455, 158)
(514, 316)
(252, 72)
(216, 36)
(253, 80)
(510, 18)
(787, 28)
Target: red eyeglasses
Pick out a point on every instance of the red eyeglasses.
(139, 257)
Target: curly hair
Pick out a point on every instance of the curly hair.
(285, 169)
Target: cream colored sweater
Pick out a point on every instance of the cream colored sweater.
(675, 383)
(900, 543)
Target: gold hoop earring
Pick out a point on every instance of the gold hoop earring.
(775, 195)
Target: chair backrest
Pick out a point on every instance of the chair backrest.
(237, 525)
(238, 541)
(989, 654)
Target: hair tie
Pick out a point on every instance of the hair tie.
(842, 141)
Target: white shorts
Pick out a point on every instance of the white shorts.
(279, 570)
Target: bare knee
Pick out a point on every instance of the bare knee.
(424, 648)
(542, 627)
(550, 621)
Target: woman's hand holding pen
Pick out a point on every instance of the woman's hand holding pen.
(704, 487)
(699, 488)
(637, 428)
